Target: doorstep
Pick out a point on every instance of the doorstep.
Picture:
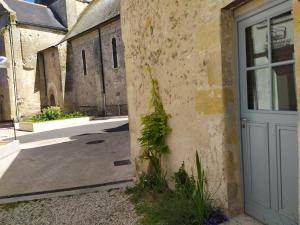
(242, 220)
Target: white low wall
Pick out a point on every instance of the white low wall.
(51, 125)
(8, 148)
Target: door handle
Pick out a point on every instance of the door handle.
(244, 122)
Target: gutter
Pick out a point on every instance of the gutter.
(62, 29)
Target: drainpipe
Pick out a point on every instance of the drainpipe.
(102, 72)
(13, 62)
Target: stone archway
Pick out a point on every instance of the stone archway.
(52, 95)
(52, 100)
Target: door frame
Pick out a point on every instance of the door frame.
(237, 20)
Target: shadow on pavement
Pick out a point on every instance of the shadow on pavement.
(124, 127)
(70, 164)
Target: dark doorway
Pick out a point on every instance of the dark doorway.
(52, 100)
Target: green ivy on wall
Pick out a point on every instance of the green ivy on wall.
(153, 138)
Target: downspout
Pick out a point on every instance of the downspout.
(102, 73)
(13, 62)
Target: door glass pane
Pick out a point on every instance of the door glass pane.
(259, 88)
(257, 44)
(284, 88)
(282, 37)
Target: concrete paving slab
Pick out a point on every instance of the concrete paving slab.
(8, 147)
(71, 157)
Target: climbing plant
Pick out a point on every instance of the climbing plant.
(153, 136)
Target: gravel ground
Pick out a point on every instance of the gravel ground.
(100, 208)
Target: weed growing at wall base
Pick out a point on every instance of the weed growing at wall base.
(188, 204)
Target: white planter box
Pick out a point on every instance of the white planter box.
(8, 148)
(51, 125)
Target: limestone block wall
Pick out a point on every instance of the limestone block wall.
(68, 11)
(4, 87)
(67, 73)
(82, 91)
(28, 41)
(87, 87)
(56, 77)
(67, 102)
(189, 47)
(40, 72)
(73, 11)
(114, 78)
(7, 80)
(53, 77)
(80, 6)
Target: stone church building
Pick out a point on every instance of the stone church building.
(85, 71)
(27, 28)
(67, 53)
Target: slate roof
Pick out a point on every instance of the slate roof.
(98, 12)
(34, 14)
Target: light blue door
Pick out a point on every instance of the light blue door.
(269, 114)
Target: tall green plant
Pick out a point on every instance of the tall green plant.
(154, 133)
(200, 196)
(194, 188)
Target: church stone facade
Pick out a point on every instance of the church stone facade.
(92, 70)
(26, 28)
(66, 53)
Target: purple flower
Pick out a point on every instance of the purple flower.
(215, 218)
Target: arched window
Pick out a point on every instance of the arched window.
(84, 62)
(115, 53)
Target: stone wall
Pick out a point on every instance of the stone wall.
(56, 77)
(80, 6)
(68, 11)
(114, 78)
(27, 41)
(189, 47)
(73, 11)
(53, 77)
(84, 92)
(87, 88)
(8, 97)
(4, 87)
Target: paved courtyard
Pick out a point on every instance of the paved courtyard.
(76, 156)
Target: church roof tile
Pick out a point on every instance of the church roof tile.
(34, 14)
